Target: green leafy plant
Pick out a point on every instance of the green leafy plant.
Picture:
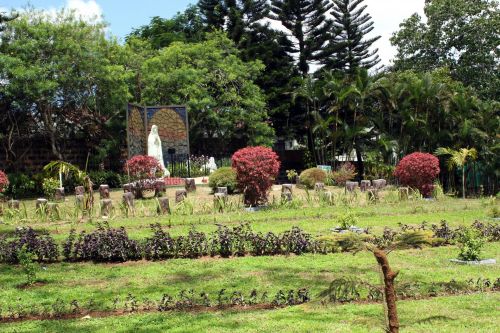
(49, 187)
(470, 243)
(223, 177)
(26, 260)
(347, 220)
(291, 174)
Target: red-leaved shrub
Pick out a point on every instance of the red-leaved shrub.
(256, 168)
(418, 170)
(4, 181)
(142, 167)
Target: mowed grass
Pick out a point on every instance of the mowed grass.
(102, 283)
(457, 314)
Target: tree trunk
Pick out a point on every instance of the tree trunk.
(463, 182)
(389, 291)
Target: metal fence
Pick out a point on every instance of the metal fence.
(182, 165)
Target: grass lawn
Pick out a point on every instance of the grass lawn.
(102, 283)
(457, 314)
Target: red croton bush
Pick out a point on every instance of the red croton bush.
(142, 167)
(256, 168)
(4, 181)
(418, 170)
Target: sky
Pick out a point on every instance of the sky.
(124, 15)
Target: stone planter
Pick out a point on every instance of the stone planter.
(474, 262)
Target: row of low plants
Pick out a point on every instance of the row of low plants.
(185, 300)
(107, 244)
(340, 290)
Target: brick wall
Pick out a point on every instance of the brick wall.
(35, 153)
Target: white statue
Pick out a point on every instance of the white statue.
(210, 166)
(155, 150)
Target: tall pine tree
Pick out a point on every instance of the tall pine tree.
(234, 16)
(213, 12)
(307, 23)
(348, 48)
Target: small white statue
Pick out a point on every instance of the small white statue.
(210, 166)
(155, 150)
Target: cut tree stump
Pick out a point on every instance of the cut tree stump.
(350, 186)
(59, 195)
(163, 206)
(104, 191)
(365, 185)
(14, 204)
(106, 207)
(79, 190)
(190, 185)
(180, 195)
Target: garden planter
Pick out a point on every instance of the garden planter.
(474, 262)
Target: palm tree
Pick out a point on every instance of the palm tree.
(307, 90)
(64, 168)
(458, 159)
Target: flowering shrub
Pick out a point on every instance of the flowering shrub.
(256, 168)
(345, 172)
(143, 167)
(418, 170)
(310, 177)
(4, 181)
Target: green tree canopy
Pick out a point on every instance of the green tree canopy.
(61, 75)
(224, 103)
(462, 35)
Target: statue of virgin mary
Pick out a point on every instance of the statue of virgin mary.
(155, 149)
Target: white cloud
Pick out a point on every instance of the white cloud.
(387, 15)
(87, 10)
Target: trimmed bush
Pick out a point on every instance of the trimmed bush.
(310, 177)
(143, 167)
(4, 181)
(418, 171)
(256, 168)
(223, 177)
